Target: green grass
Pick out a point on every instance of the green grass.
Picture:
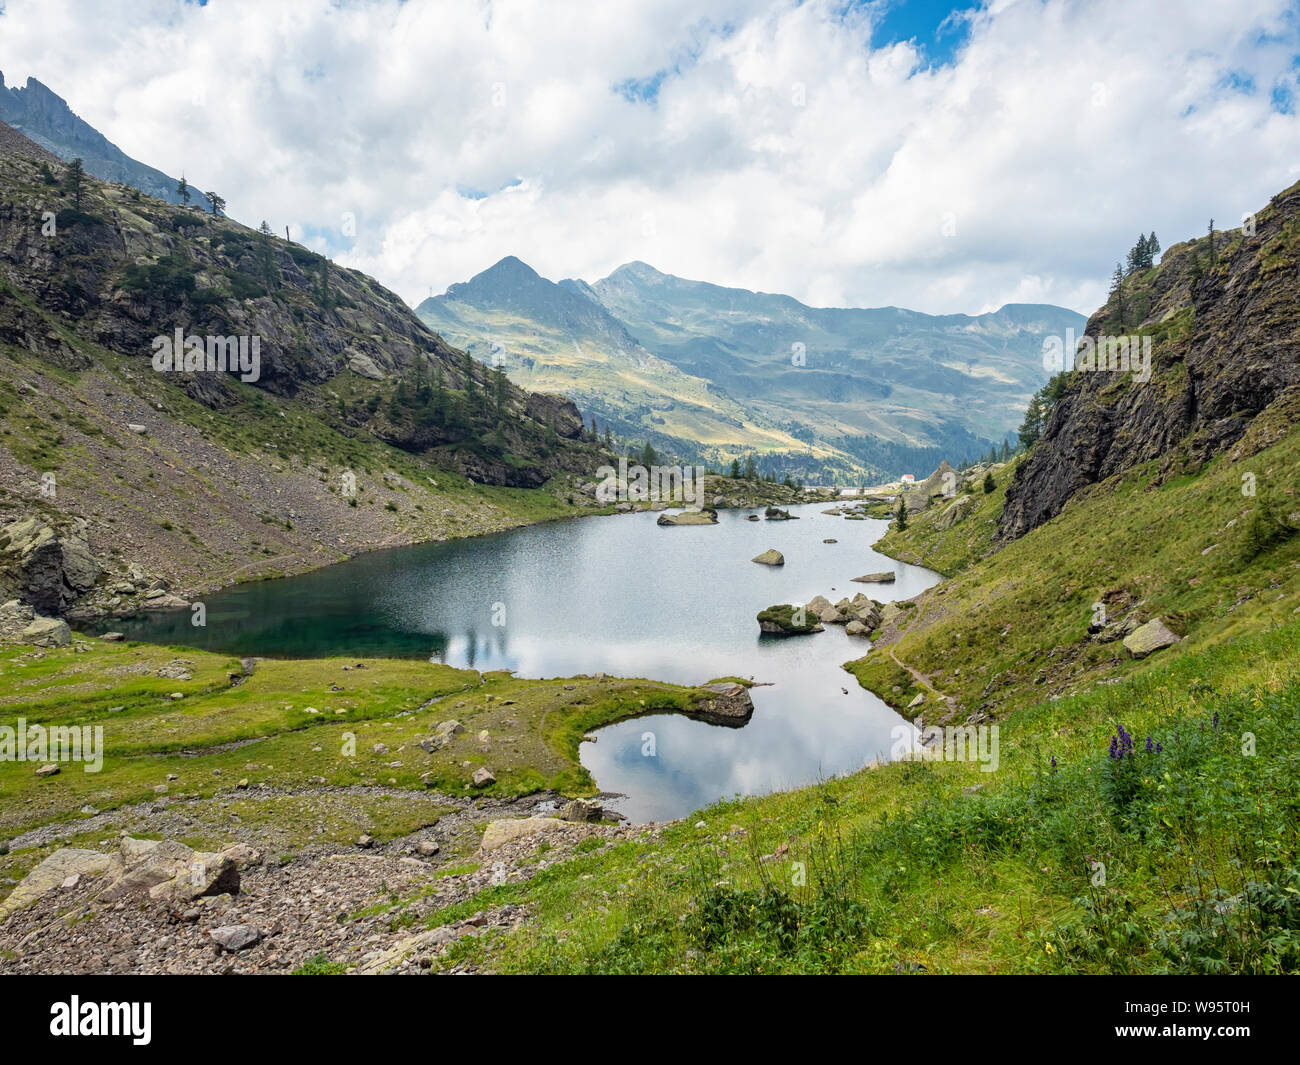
(936, 867)
(1190, 548)
(287, 729)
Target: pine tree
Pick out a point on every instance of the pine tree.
(183, 190)
(1032, 427)
(901, 514)
(264, 229)
(751, 468)
(217, 202)
(1213, 253)
(989, 484)
(1117, 295)
(735, 470)
(499, 391)
(74, 180)
(470, 399)
(438, 400)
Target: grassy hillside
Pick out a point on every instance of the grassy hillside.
(1193, 550)
(935, 867)
(362, 430)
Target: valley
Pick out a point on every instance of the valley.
(378, 681)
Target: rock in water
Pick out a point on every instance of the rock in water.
(884, 577)
(770, 557)
(787, 620)
(726, 702)
(689, 517)
(1153, 636)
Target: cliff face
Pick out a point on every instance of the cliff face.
(359, 429)
(45, 117)
(1225, 348)
(125, 269)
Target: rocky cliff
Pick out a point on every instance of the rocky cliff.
(45, 117)
(1224, 330)
(357, 428)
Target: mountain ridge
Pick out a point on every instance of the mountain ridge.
(840, 394)
(45, 118)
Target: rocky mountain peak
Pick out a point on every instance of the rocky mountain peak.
(1213, 329)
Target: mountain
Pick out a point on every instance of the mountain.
(834, 394)
(356, 427)
(557, 338)
(888, 373)
(1171, 496)
(1225, 374)
(45, 118)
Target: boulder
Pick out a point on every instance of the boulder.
(786, 620)
(954, 512)
(689, 517)
(1148, 638)
(726, 701)
(883, 577)
(48, 632)
(164, 601)
(233, 937)
(582, 810)
(51, 873)
(856, 628)
(770, 557)
(51, 570)
(499, 833)
(482, 777)
(168, 871)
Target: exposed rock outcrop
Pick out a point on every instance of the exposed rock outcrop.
(1223, 332)
(48, 569)
(1154, 636)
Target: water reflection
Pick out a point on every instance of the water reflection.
(618, 595)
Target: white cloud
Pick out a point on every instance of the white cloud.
(783, 151)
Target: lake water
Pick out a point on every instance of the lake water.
(616, 594)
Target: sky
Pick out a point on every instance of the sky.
(936, 156)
